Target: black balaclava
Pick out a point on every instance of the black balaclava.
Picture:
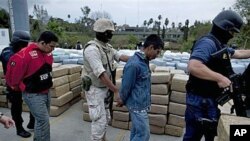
(104, 36)
(17, 46)
(222, 35)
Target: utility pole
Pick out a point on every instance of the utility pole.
(19, 17)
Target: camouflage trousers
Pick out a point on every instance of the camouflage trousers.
(99, 115)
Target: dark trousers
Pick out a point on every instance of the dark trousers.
(201, 116)
(16, 108)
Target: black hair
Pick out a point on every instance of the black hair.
(154, 40)
(47, 37)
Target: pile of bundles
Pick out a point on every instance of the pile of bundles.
(168, 102)
(3, 99)
(66, 89)
(68, 56)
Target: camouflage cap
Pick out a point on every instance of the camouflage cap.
(102, 25)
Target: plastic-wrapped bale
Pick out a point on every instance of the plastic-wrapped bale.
(158, 62)
(119, 72)
(59, 71)
(225, 121)
(57, 59)
(160, 78)
(174, 72)
(182, 66)
(80, 61)
(75, 56)
(238, 68)
(63, 99)
(70, 61)
(163, 69)
(65, 56)
(171, 64)
(3, 99)
(73, 68)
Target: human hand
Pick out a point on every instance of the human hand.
(119, 101)
(225, 83)
(7, 122)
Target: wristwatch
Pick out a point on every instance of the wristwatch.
(1, 115)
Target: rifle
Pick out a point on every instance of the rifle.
(238, 91)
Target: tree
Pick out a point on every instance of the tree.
(87, 22)
(41, 14)
(163, 32)
(150, 21)
(243, 8)
(180, 25)
(4, 18)
(173, 25)
(166, 22)
(98, 14)
(159, 24)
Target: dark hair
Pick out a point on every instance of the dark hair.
(47, 37)
(155, 40)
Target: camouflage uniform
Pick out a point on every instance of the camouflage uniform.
(96, 63)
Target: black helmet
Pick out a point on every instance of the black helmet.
(228, 20)
(20, 36)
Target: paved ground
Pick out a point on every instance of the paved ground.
(70, 127)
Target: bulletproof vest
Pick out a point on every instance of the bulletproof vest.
(107, 56)
(208, 88)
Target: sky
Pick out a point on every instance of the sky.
(134, 12)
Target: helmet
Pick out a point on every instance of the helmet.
(228, 20)
(102, 25)
(20, 35)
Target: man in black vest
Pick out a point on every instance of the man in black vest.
(209, 76)
(20, 39)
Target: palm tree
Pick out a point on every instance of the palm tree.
(166, 22)
(150, 21)
(159, 24)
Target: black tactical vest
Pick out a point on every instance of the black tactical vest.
(208, 88)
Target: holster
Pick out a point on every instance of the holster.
(209, 127)
(86, 82)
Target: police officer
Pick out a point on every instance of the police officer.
(20, 39)
(99, 58)
(209, 76)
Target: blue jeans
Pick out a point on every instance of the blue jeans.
(140, 126)
(201, 118)
(39, 105)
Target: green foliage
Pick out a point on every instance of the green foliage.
(4, 18)
(55, 27)
(195, 33)
(124, 41)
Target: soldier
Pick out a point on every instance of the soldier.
(20, 39)
(209, 76)
(99, 58)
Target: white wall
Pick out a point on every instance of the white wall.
(4, 38)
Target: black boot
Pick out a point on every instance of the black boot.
(31, 123)
(23, 133)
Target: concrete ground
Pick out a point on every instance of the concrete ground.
(70, 126)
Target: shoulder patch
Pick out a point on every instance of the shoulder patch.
(33, 54)
(13, 63)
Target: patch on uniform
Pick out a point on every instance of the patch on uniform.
(13, 63)
(33, 54)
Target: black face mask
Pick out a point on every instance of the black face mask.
(104, 36)
(222, 35)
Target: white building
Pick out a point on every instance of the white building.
(4, 38)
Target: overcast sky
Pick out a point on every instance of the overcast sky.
(134, 12)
